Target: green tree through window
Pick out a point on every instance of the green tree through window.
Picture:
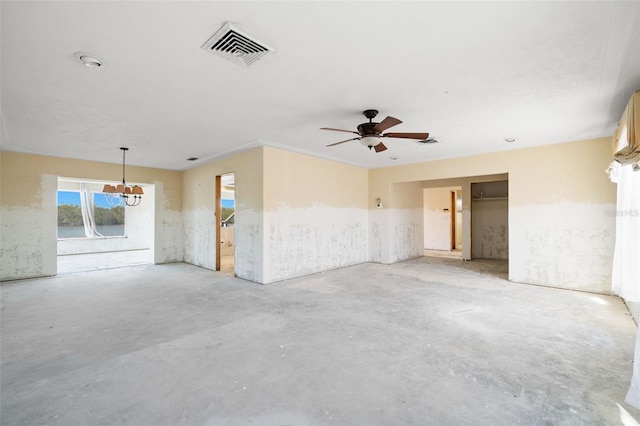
(109, 219)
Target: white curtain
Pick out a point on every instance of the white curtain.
(625, 170)
(626, 140)
(626, 259)
(87, 205)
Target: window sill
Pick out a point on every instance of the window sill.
(114, 237)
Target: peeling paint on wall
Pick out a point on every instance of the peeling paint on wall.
(301, 241)
(564, 245)
(28, 237)
(200, 237)
(168, 237)
(494, 243)
(406, 239)
(22, 238)
(408, 234)
(249, 245)
(490, 229)
(168, 233)
(375, 241)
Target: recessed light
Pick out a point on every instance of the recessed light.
(510, 140)
(393, 158)
(89, 60)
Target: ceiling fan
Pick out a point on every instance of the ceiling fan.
(369, 134)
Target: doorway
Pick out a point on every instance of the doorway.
(225, 224)
(456, 220)
(490, 220)
(479, 229)
(443, 221)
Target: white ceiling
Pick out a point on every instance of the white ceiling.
(470, 73)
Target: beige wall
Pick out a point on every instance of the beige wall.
(559, 197)
(29, 213)
(28, 169)
(298, 214)
(547, 174)
(295, 214)
(199, 205)
(199, 182)
(315, 215)
(302, 181)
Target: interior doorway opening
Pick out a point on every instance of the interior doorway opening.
(443, 221)
(490, 220)
(467, 217)
(95, 232)
(225, 223)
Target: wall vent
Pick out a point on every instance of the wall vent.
(233, 44)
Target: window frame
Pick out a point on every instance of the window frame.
(84, 237)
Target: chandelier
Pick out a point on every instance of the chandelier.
(123, 194)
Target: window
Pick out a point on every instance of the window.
(109, 219)
(227, 210)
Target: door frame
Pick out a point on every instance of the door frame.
(452, 222)
(218, 221)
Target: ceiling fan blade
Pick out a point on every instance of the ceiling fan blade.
(338, 130)
(338, 143)
(406, 135)
(380, 147)
(386, 123)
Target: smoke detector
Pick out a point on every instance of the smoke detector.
(232, 43)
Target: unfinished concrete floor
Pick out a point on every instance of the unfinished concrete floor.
(227, 265)
(424, 342)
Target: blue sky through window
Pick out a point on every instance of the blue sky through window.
(68, 197)
(227, 203)
(100, 200)
(73, 198)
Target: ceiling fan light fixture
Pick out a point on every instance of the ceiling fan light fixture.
(370, 141)
(370, 134)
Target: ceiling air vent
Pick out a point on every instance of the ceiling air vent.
(233, 44)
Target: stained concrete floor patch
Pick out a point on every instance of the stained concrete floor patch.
(427, 341)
